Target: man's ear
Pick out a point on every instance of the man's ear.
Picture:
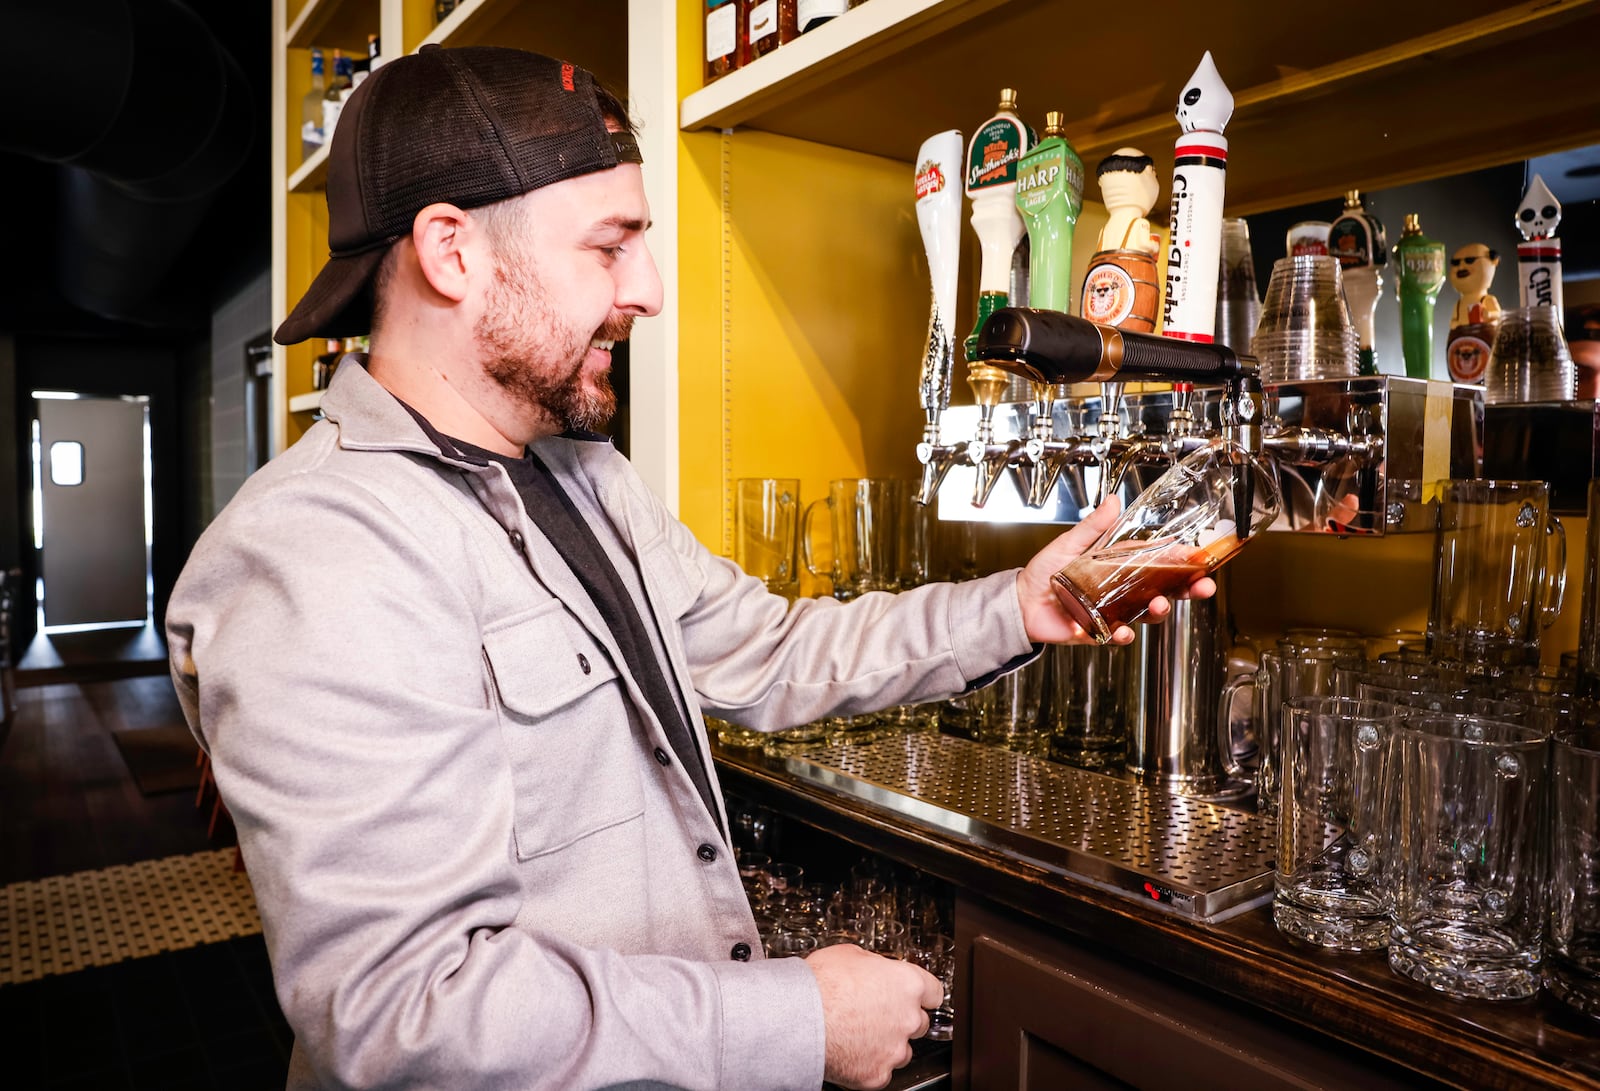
(442, 236)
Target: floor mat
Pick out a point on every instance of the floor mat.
(95, 918)
(161, 759)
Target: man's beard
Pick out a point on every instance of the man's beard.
(536, 358)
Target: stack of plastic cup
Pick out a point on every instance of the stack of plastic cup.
(1305, 330)
(1530, 361)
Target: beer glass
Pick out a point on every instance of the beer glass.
(1303, 663)
(1469, 855)
(1182, 527)
(1091, 703)
(1331, 827)
(862, 518)
(766, 523)
(1572, 968)
(1500, 577)
(1589, 625)
(1010, 714)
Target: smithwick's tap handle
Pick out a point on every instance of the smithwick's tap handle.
(938, 198)
(1055, 347)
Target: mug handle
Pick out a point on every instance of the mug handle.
(805, 541)
(1230, 691)
(1553, 610)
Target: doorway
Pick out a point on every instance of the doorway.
(92, 511)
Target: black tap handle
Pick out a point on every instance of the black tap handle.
(1055, 347)
(1147, 356)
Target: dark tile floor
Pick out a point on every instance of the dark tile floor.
(203, 1017)
(200, 1018)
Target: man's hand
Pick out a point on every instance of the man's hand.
(1044, 618)
(871, 1008)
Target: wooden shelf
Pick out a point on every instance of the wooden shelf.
(342, 24)
(306, 403)
(312, 177)
(1432, 92)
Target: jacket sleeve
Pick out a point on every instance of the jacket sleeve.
(766, 664)
(332, 665)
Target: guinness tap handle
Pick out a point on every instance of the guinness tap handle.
(1055, 347)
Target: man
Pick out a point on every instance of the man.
(449, 656)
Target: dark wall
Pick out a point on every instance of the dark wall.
(104, 368)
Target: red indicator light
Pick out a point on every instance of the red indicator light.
(1150, 889)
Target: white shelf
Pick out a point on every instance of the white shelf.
(341, 23)
(312, 177)
(835, 49)
(457, 22)
(306, 403)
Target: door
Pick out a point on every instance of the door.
(94, 560)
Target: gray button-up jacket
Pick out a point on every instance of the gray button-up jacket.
(471, 869)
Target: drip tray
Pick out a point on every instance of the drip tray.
(1192, 858)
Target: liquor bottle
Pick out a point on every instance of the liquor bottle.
(813, 13)
(333, 98)
(771, 24)
(311, 132)
(322, 367)
(374, 53)
(726, 23)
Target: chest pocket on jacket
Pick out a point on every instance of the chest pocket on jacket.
(674, 581)
(574, 765)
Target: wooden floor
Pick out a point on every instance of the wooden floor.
(95, 655)
(67, 800)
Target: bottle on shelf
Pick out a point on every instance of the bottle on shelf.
(813, 13)
(323, 365)
(374, 53)
(333, 98)
(311, 131)
(726, 22)
(772, 23)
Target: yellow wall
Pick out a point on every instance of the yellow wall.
(804, 301)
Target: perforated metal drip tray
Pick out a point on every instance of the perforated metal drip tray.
(1192, 858)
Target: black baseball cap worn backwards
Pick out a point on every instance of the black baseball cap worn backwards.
(467, 126)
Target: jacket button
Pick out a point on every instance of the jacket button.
(516, 540)
(583, 663)
(661, 757)
(706, 853)
(740, 952)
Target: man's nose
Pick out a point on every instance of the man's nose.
(639, 285)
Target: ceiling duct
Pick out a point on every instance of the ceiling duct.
(150, 120)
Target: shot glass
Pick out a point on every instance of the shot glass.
(1332, 832)
(1469, 856)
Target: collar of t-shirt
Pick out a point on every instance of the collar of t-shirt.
(550, 509)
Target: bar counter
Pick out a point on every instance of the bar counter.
(1228, 986)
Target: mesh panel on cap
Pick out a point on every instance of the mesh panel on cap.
(451, 132)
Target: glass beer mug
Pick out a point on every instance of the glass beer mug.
(1181, 528)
